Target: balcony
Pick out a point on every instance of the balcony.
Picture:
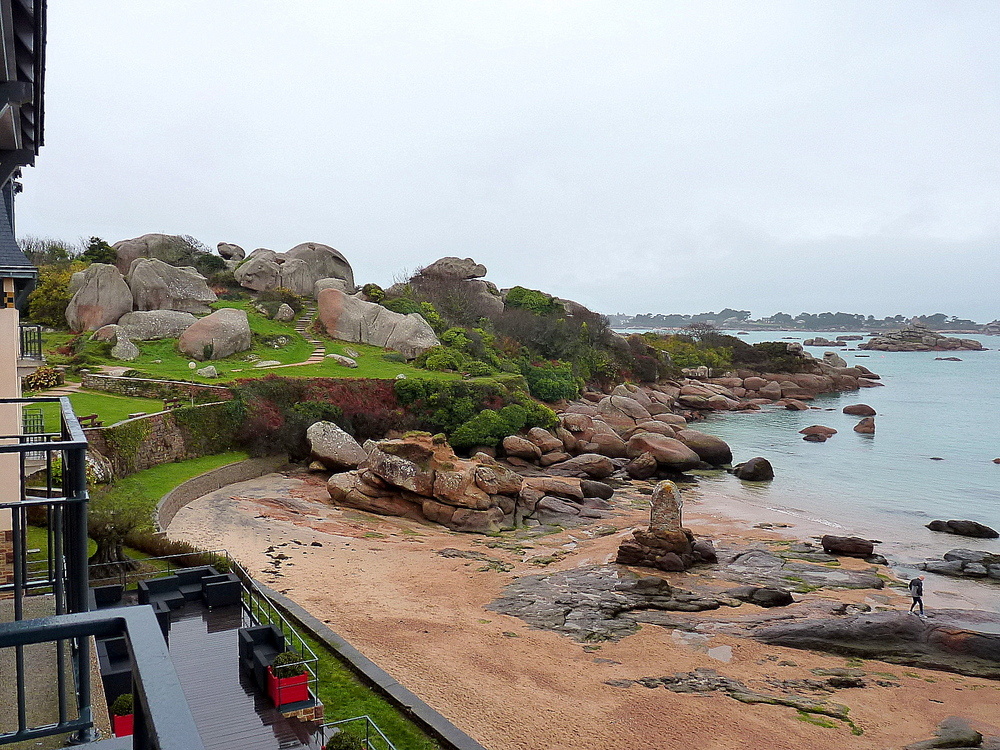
(46, 632)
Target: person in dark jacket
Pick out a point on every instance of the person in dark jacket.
(917, 592)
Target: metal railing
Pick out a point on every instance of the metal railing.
(361, 727)
(260, 610)
(31, 341)
(162, 719)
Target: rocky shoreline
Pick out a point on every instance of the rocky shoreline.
(919, 338)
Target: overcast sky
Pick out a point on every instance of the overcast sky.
(634, 156)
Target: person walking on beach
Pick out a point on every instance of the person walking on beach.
(917, 592)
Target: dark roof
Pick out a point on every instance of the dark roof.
(13, 262)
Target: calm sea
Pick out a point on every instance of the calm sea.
(884, 486)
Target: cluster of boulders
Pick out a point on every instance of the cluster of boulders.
(145, 296)
(645, 429)
(970, 563)
(992, 328)
(917, 337)
(419, 476)
(666, 544)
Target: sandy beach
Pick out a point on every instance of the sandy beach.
(421, 615)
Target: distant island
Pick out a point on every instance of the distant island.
(729, 318)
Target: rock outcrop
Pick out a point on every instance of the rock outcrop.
(964, 528)
(850, 546)
(152, 325)
(229, 251)
(333, 447)
(919, 338)
(455, 268)
(351, 319)
(970, 563)
(323, 262)
(755, 470)
(101, 299)
(666, 544)
(157, 285)
(170, 248)
(418, 477)
(961, 641)
(218, 335)
(258, 272)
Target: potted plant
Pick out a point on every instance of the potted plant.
(344, 741)
(287, 679)
(122, 714)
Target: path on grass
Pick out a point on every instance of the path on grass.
(302, 325)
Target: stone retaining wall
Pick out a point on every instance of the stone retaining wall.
(211, 481)
(144, 442)
(148, 388)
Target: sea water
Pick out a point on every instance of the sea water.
(885, 486)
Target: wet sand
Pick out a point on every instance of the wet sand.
(381, 583)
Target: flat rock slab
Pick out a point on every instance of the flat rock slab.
(593, 603)
(967, 642)
(764, 568)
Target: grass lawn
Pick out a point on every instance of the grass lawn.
(144, 489)
(108, 407)
(371, 364)
(345, 697)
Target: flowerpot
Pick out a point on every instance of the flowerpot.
(122, 725)
(283, 690)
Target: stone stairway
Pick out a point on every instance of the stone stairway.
(302, 328)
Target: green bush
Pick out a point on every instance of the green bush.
(287, 664)
(551, 380)
(373, 292)
(479, 369)
(47, 303)
(123, 705)
(441, 359)
(402, 305)
(272, 299)
(486, 428)
(344, 741)
(310, 412)
(225, 279)
(537, 302)
(394, 357)
(99, 251)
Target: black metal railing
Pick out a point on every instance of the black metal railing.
(362, 727)
(31, 341)
(162, 719)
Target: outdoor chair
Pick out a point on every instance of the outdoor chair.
(116, 666)
(221, 590)
(190, 580)
(166, 589)
(257, 647)
(106, 596)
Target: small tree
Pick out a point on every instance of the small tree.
(108, 525)
(47, 303)
(99, 251)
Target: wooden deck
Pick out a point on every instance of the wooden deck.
(227, 709)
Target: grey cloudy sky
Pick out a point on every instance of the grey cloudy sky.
(635, 156)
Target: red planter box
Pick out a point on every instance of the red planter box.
(122, 725)
(284, 690)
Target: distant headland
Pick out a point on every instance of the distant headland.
(729, 318)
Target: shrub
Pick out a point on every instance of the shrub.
(288, 664)
(224, 281)
(123, 705)
(310, 412)
(533, 300)
(344, 741)
(479, 369)
(550, 381)
(272, 299)
(47, 303)
(441, 359)
(99, 251)
(402, 305)
(41, 379)
(373, 292)
(486, 428)
(394, 357)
